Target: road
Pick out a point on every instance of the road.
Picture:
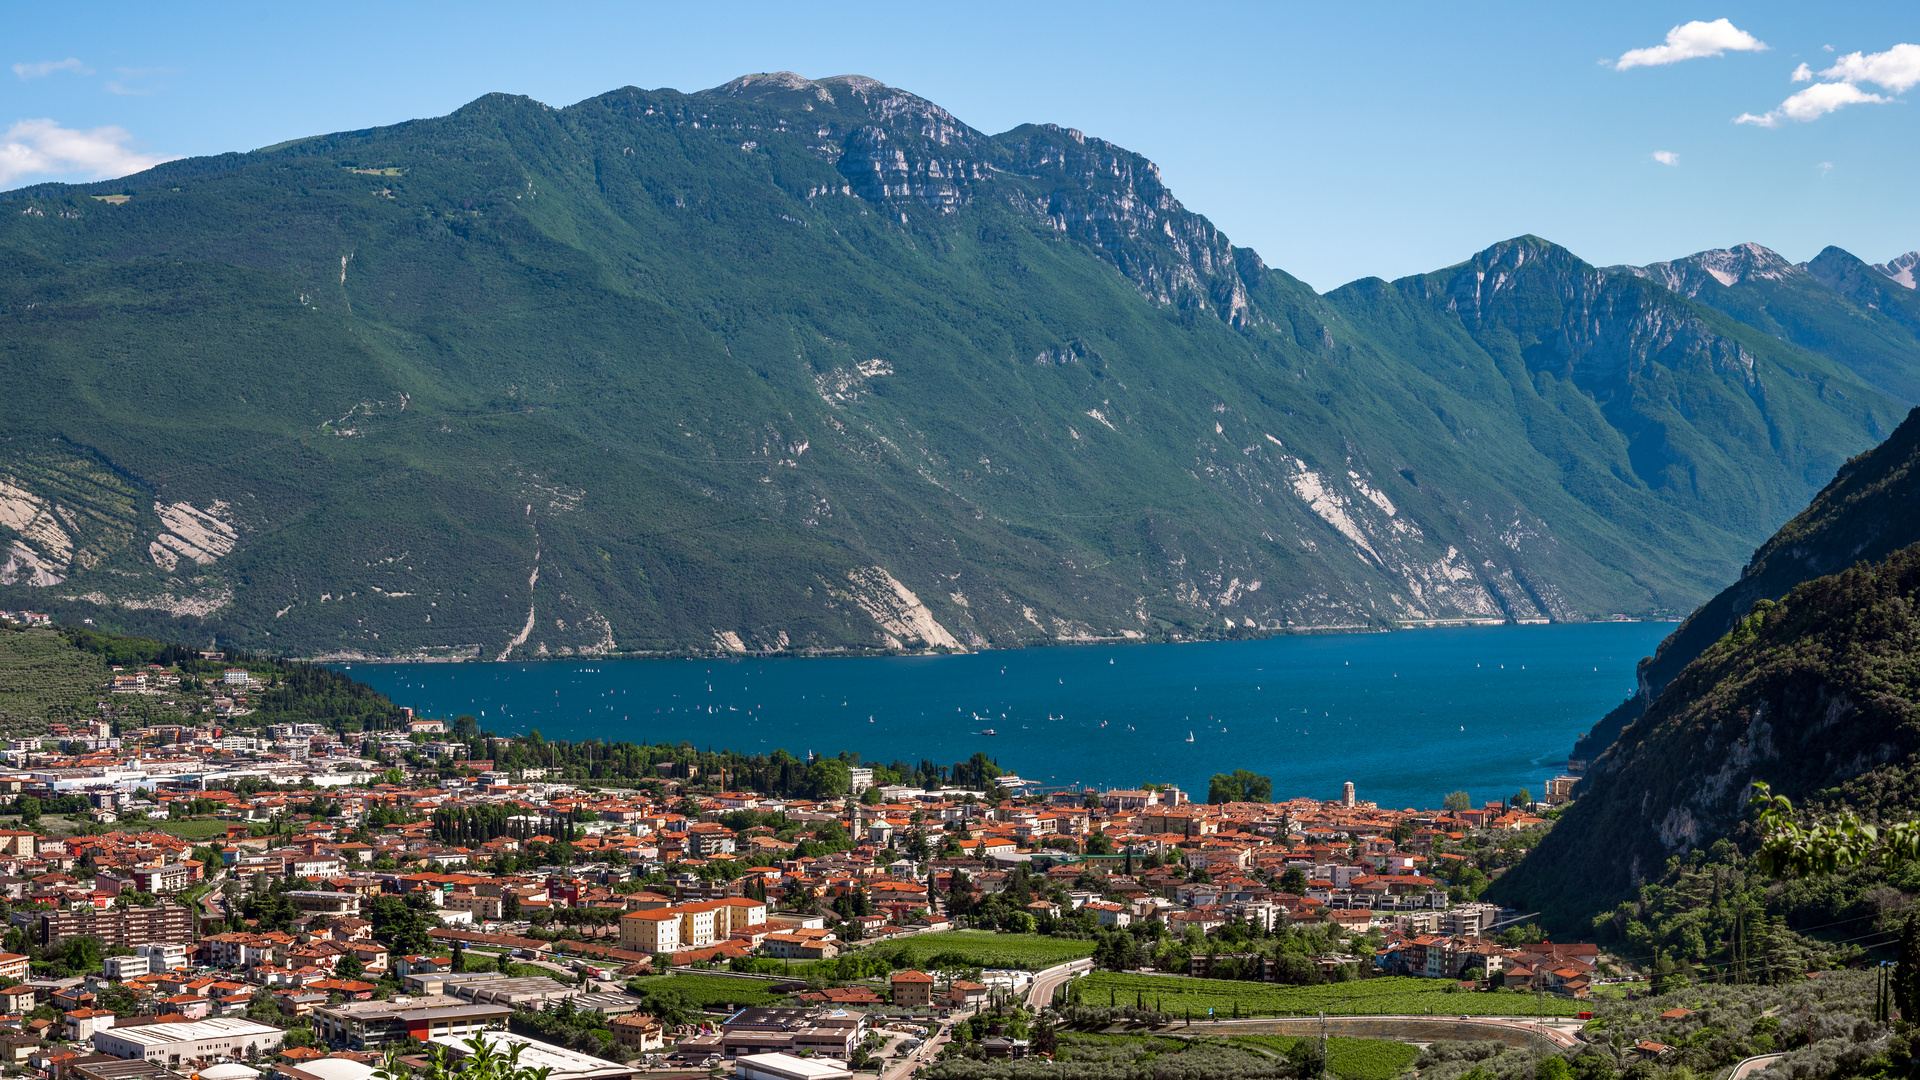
(1753, 1065)
(1040, 991)
(928, 1051)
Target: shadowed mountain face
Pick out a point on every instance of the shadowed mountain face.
(813, 365)
(1816, 694)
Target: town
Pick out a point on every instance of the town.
(206, 896)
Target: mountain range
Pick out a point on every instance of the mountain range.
(813, 366)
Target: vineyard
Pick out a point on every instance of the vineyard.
(42, 678)
(712, 991)
(984, 949)
(1181, 997)
(1348, 1059)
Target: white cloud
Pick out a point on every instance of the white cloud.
(1822, 98)
(47, 67)
(1896, 70)
(42, 146)
(1825, 167)
(1666, 157)
(1690, 41)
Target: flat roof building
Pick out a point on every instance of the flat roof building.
(371, 1025)
(788, 1067)
(177, 1043)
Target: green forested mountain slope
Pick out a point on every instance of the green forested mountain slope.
(813, 365)
(1870, 510)
(1817, 695)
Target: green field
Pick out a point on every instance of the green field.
(983, 948)
(196, 830)
(1371, 997)
(1349, 1059)
(712, 991)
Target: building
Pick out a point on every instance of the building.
(827, 1032)
(559, 1062)
(13, 966)
(176, 1044)
(330, 903)
(638, 1032)
(372, 1025)
(132, 927)
(653, 931)
(778, 1066)
(234, 676)
(912, 989)
(161, 880)
(1469, 920)
(103, 1068)
(122, 968)
(1346, 795)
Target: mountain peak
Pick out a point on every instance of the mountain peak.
(853, 98)
(1902, 269)
(1726, 266)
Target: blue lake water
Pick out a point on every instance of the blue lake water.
(1406, 716)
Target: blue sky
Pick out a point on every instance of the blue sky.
(1337, 140)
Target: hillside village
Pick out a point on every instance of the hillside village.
(214, 890)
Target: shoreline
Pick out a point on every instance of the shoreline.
(478, 655)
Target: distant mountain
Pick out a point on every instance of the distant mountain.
(1901, 269)
(811, 365)
(1851, 313)
(1815, 692)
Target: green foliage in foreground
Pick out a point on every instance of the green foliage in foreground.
(1176, 996)
(985, 949)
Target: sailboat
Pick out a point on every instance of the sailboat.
(1189, 736)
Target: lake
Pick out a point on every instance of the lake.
(1407, 716)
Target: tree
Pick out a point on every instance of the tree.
(401, 923)
(1242, 786)
(459, 956)
(1523, 797)
(349, 967)
(1459, 800)
(1294, 881)
(1309, 1058)
(81, 954)
(29, 811)
(828, 778)
(1906, 972)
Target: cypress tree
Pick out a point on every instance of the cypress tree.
(1906, 973)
